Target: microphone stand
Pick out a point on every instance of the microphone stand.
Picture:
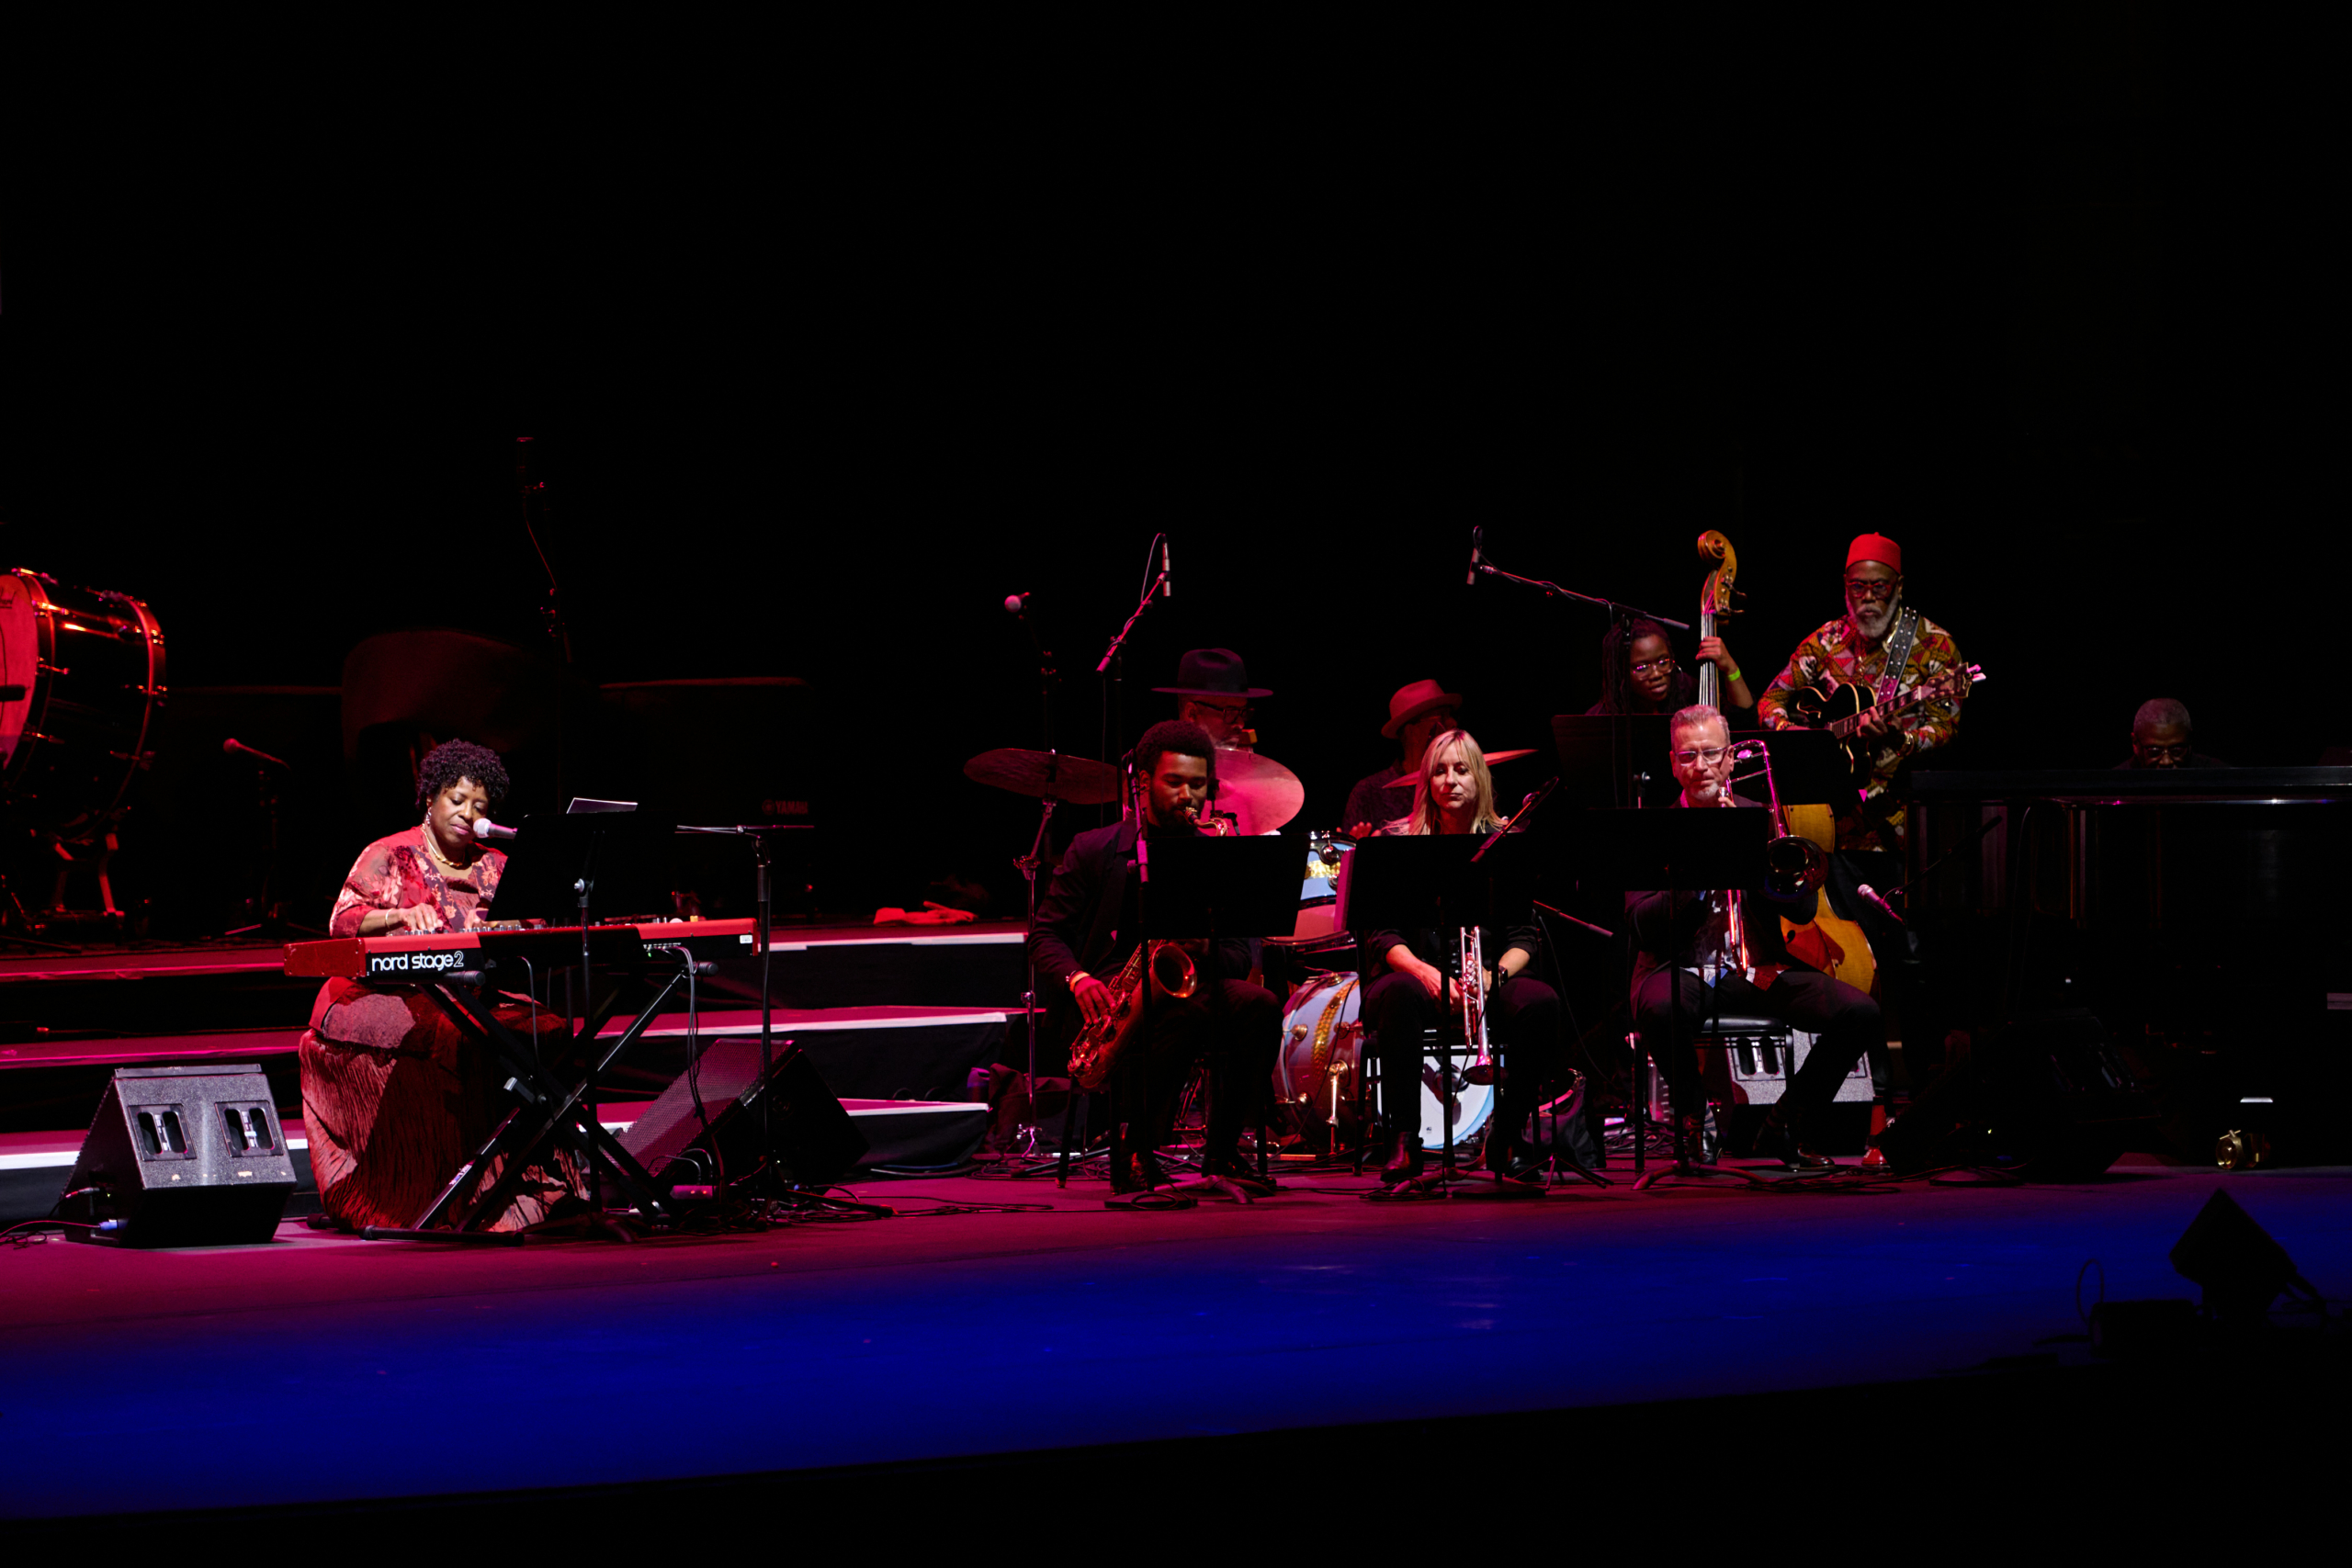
(1111, 666)
(1484, 566)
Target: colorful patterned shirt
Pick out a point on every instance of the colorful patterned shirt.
(1835, 651)
(397, 872)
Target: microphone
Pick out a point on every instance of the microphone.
(233, 747)
(1166, 587)
(490, 831)
(1016, 602)
(1477, 535)
(1867, 891)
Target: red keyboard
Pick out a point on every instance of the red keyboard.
(418, 955)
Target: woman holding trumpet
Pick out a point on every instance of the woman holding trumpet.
(1455, 794)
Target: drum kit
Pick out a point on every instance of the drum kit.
(1320, 1064)
(81, 688)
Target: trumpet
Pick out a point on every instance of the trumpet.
(1481, 1069)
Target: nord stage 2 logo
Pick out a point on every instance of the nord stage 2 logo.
(421, 963)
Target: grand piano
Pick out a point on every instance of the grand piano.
(2199, 913)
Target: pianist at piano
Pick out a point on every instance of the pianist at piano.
(394, 1099)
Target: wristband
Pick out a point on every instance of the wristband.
(1733, 676)
(1075, 976)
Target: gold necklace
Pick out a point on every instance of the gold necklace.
(433, 847)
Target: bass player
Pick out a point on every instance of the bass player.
(1087, 929)
(1881, 645)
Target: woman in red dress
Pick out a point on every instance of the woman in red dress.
(394, 1099)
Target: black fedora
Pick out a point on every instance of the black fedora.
(1212, 673)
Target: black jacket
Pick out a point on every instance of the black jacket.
(1078, 923)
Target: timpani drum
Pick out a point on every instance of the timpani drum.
(80, 685)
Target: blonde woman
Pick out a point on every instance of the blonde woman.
(1454, 793)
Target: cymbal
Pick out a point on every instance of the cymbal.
(1494, 757)
(1047, 775)
(1262, 794)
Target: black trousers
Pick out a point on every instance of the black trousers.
(1845, 1024)
(1522, 1014)
(1232, 1025)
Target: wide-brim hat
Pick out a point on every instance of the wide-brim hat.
(1212, 673)
(1411, 701)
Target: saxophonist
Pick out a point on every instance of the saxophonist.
(1087, 929)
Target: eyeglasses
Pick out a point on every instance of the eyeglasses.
(1869, 588)
(2178, 753)
(1646, 665)
(1709, 755)
(1223, 710)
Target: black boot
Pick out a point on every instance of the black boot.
(1405, 1164)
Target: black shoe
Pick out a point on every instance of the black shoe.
(1139, 1172)
(1405, 1164)
(1228, 1163)
(1777, 1140)
(1699, 1143)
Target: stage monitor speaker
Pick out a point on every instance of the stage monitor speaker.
(182, 1157)
(816, 1142)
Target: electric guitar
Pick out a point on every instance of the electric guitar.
(1840, 707)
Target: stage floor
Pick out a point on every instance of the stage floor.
(320, 1367)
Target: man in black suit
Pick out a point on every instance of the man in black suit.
(1087, 929)
(1728, 951)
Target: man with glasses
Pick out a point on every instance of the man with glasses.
(1883, 646)
(1213, 690)
(2160, 738)
(1727, 953)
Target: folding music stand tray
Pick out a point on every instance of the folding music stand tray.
(553, 862)
(1636, 851)
(1429, 883)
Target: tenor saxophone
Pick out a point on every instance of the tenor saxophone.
(1096, 1050)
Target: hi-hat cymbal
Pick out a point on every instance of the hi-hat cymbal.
(1262, 794)
(1047, 775)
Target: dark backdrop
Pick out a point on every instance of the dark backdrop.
(2037, 297)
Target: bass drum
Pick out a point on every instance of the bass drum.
(80, 683)
(1320, 1062)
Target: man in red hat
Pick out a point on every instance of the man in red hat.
(1878, 636)
(1417, 712)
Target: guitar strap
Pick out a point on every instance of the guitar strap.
(1898, 654)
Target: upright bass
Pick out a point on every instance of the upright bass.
(1829, 942)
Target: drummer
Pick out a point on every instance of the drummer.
(1213, 690)
(1416, 712)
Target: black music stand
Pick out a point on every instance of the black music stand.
(1607, 760)
(1429, 883)
(1212, 888)
(555, 868)
(1809, 765)
(1638, 851)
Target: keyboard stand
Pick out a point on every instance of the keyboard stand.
(549, 1115)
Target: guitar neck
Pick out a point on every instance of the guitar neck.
(1844, 727)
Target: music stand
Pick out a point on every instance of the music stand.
(1682, 851)
(1605, 760)
(1215, 888)
(1809, 765)
(1431, 883)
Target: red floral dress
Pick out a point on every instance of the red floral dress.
(394, 1099)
